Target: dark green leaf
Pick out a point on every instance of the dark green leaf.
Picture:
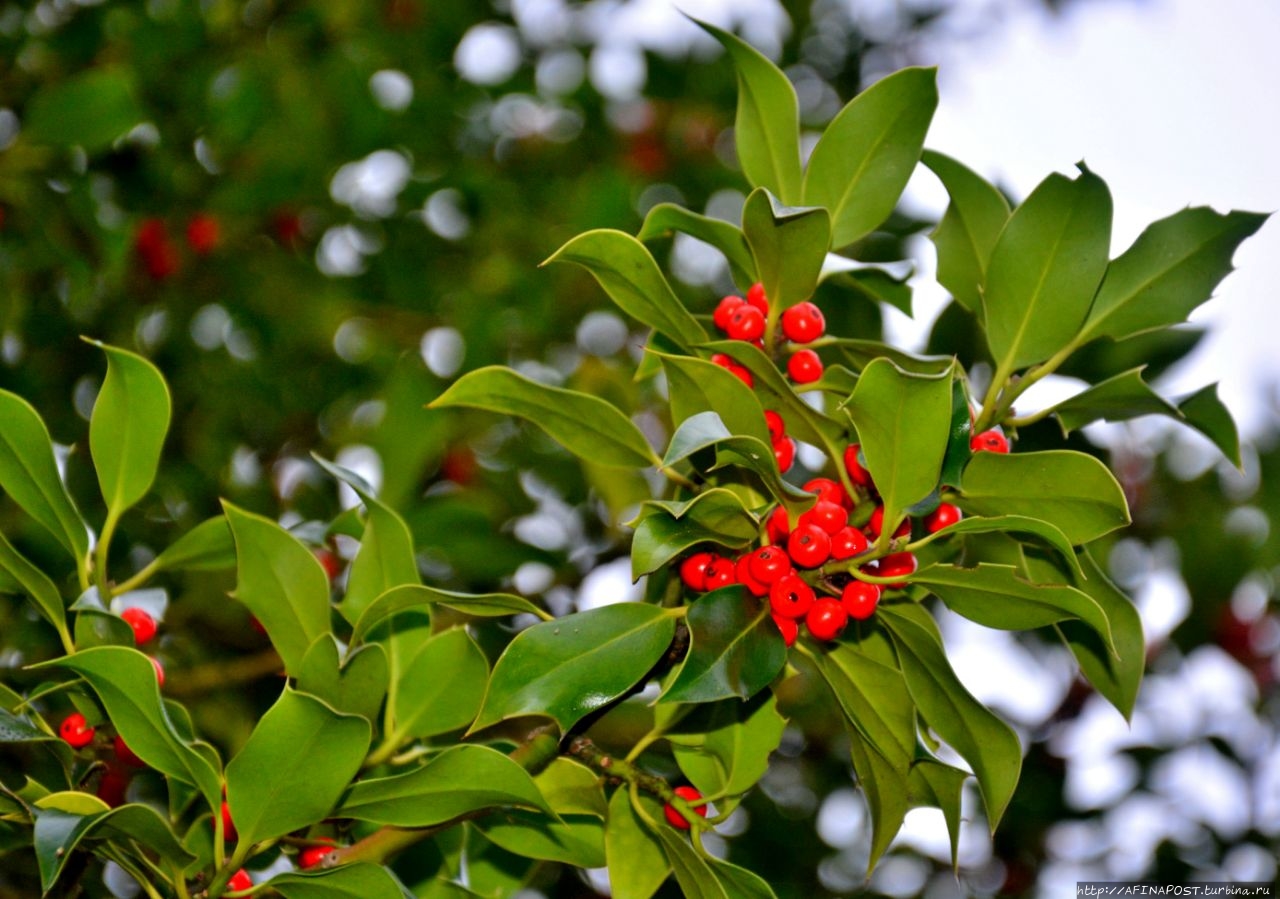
(1172, 268)
(959, 448)
(127, 429)
(35, 584)
(91, 109)
(29, 474)
(861, 353)
(355, 685)
(94, 628)
(861, 164)
(724, 747)
(706, 430)
(665, 529)
(1045, 268)
(1205, 412)
(702, 877)
(565, 669)
(766, 128)
(585, 425)
(17, 729)
(575, 795)
(58, 832)
(631, 278)
(1120, 398)
(884, 784)
(968, 231)
(637, 863)
(664, 218)
(878, 286)
(405, 599)
(440, 688)
(935, 785)
(1013, 524)
(696, 385)
(1072, 490)
(789, 245)
(735, 649)
(362, 880)
(208, 546)
(282, 584)
(459, 780)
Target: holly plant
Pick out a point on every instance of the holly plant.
(809, 498)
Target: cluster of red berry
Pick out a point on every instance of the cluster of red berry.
(158, 251)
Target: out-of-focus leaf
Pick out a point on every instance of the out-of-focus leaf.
(36, 584)
(208, 546)
(91, 109)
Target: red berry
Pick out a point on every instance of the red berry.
(724, 309)
(860, 599)
(790, 597)
(897, 565)
(990, 442)
(769, 563)
(857, 473)
(942, 517)
(204, 233)
(784, 453)
(779, 525)
(789, 627)
(847, 543)
(675, 818)
(831, 517)
(155, 663)
(826, 619)
(240, 881)
(756, 297)
(876, 524)
(328, 560)
(228, 826)
(742, 570)
(75, 730)
(828, 490)
(777, 427)
(114, 785)
(809, 546)
(693, 570)
(738, 371)
(162, 262)
(804, 366)
(150, 236)
(312, 856)
(746, 322)
(721, 573)
(144, 626)
(126, 755)
(803, 323)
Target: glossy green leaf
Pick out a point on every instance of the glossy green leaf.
(702, 877)
(735, 649)
(35, 584)
(269, 792)
(879, 286)
(995, 596)
(724, 747)
(707, 430)
(861, 353)
(629, 275)
(586, 425)
(1172, 268)
(574, 793)
(636, 860)
(354, 685)
(861, 163)
(936, 785)
(127, 429)
(766, 127)
(280, 581)
(29, 474)
(904, 452)
(125, 683)
(988, 744)
(969, 229)
(57, 834)
(696, 385)
(362, 880)
(208, 546)
(1205, 412)
(404, 599)
(459, 780)
(1045, 269)
(90, 109)
(1119, 398)
(959, 447)
(789, 245)
(664, 529)
(95, 628)
(386, 558)
(1071, 490)
(1012, 524)
(566, 669)
(441, 687)
(665, 218)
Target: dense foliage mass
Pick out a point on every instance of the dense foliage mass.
(795, 495)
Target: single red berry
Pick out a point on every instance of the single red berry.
(143, 625)
(150, 236)
(769, 563)
(155, 663)
(804, 366)
(803, 323)
(789, 627)
(724, 309)
(778, 526)
(162, 262)
(204, 233)
(721, 573)
(228, 826)
(240, 881)
(809, 546)
(742, 570)
(989, 442)
(942, 517)
(738, 371)
(287, 227)
(848, 542)
(897, 565)
(790, 597)
(826, 619)
(860, 599)
(693, 570)
(876, 524)
(675, 818)
(857, 473)
(312, 856)
(75, 730)
(756, 297)
(828, 490)
(784, 453)
(831, 517)
(328, 560)
(746, 322)
(126, 755)
(777, 427)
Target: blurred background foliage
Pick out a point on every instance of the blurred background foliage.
(311, 216)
